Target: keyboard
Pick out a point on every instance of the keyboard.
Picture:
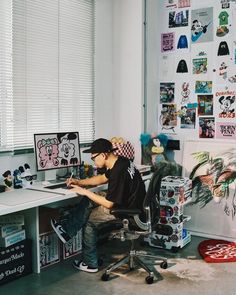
(58, 185)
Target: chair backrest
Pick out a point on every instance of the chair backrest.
(152, 199)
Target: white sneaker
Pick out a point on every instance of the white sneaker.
(59, 230)
(80, 265)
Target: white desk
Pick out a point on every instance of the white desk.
(29, 201)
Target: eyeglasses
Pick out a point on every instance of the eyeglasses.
(94, 157)
(30, 177)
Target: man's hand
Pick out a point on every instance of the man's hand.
(79, 190)
(72, 181)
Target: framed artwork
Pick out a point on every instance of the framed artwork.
(212, 168)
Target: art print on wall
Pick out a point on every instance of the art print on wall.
(225, 104)
(167, 92)
(202, 25)
(167, 42)
(178, 18)
(203, 87)
(226, 130)
(188, 118)
(206, 127)
(200, 65)
(212, 168)
(168, 117)
(205, 105)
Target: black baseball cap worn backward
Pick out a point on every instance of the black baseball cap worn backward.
(100, 145)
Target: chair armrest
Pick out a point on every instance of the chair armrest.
(130, 212)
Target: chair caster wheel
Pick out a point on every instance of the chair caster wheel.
(105, 277)
(149, 280)
(164, 265)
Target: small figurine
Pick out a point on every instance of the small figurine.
(26, 176)
(7, 178)
(17, 181)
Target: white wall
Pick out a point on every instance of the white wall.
(128, 69)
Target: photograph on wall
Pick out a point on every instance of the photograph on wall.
(167, 92)
(168, 118)
(225, 104)
(178, 18)
(202, 25)
(167, 42)
(211, 166)
(206, 127)
(226, 130)
(187, 118)
(203, 87)
(200, 65)
(205, 105)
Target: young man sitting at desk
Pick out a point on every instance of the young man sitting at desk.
(126, 189)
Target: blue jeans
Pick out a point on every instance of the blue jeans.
(76, 219)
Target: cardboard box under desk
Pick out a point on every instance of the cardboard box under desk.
(15, 261)
(73, 247)
(49, 249)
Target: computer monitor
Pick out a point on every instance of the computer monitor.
(56, 150)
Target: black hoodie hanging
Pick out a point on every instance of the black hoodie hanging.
(182, 67)
(223, 48)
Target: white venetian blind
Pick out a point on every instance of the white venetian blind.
(6, 95)
(52, 68)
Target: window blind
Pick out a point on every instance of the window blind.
(52, 69)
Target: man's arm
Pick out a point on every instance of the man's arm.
(92, 196)
(94, 180)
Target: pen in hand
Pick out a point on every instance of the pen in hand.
(68, 183)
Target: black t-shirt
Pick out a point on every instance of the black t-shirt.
(126, 188)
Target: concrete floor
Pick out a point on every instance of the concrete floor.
(186, 274)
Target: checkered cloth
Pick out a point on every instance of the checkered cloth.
(124, 149)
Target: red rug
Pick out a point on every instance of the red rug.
(215, 251)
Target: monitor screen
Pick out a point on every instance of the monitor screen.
(57, 150)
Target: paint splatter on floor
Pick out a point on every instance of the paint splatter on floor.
(193, 270)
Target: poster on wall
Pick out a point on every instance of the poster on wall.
(202, 25)
(225, 104)
(206, 127)
(200, 65)
(205, 104)
(188, 118)
(167, 42)
(203, 87)
(178, 18)
(167, 92)
(226, 130)
(212, 168)
(168, 117)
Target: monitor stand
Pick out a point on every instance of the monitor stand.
(51, 176)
